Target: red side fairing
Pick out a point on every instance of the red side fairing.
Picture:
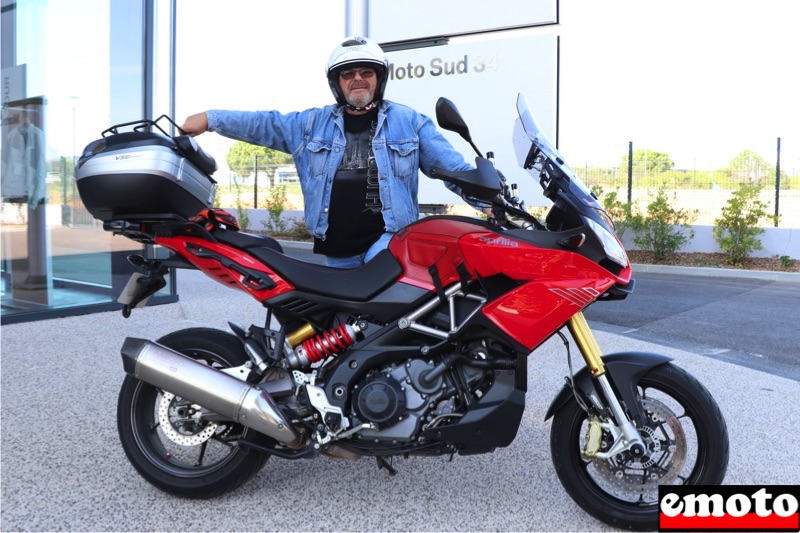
(218, 272)
(559, 284)
(556, 283)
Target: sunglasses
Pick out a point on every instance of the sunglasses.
(365, 73)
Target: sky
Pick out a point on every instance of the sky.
(699, 80)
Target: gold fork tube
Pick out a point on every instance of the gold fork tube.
(587, 344)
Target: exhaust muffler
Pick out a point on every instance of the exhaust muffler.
(215, 390)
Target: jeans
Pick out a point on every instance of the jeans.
(355, 261)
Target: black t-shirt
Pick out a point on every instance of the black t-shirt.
(355, 220)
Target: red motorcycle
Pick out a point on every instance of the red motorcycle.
(422, 351)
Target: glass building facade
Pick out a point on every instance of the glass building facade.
(71, 69)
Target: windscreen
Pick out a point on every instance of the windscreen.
(528, 134)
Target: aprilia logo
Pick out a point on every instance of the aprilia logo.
(729, 508)
(502, 241)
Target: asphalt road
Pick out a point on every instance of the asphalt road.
(750, 322)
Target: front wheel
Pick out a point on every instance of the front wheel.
(686, 440)
(165, 437)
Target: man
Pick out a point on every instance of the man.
(357, 160)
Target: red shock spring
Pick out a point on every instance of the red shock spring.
(330, 342)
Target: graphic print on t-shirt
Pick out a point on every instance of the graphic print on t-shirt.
(355, 220)
(358, 155)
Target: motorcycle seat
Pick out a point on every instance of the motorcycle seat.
(357, 284)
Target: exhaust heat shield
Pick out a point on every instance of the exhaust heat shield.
(201, 384)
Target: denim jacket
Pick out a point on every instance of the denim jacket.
(404, 142)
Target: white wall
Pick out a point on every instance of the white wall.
(776, 242)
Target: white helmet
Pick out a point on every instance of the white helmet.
(357, 52)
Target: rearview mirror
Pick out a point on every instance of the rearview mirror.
(449, 118)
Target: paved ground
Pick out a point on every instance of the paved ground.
(749, 321)
(64, 470)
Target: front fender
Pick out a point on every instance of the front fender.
(624, 370)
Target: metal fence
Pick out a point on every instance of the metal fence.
(705, 192)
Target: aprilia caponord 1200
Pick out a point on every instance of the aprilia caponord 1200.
(422, 351)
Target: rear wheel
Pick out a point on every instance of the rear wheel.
(166, 439)
(686, 440)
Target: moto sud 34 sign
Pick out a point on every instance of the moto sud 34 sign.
(482, 78)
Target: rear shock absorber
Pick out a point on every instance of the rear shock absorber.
(331, 342)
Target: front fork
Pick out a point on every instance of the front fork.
(628, 438)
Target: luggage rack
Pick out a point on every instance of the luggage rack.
(186, 145)
(143, 125)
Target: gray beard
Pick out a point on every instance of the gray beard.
(360, 101)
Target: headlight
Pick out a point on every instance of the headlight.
(610, 243)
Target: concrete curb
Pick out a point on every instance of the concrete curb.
(785, 277)
(297, 245)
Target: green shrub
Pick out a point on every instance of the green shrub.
(737, 231)
(619, 211)
(663, 230)
(299, 231)
(241, 211)
(275, 204)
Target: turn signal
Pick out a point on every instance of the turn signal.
(573, 241)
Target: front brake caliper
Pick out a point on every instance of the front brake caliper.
(594, 434)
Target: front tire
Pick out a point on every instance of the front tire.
(687, 444)
(167, 442)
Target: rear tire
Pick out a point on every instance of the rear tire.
(165, 442)
(686, 434)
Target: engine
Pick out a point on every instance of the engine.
(394, 405)
(400, 400)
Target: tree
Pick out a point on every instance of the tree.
(646, 162)
(242, 156)
(750, 167)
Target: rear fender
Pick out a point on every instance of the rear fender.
(624, 370)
